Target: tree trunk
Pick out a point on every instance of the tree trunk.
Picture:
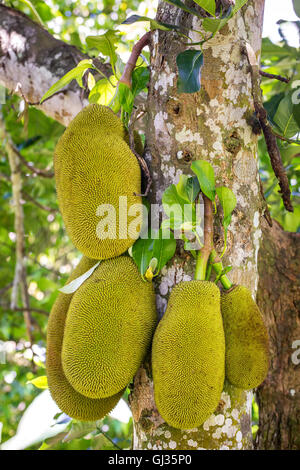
(210, 125)
(279, 299)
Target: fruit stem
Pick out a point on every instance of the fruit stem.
(217, 266)
(204, 253)
(136, 50)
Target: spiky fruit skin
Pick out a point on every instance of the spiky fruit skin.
(94, 166)
(68, 400)
(188, 355)
(246, 337)
(109, 328)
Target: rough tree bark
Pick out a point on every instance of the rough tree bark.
(210, 125)
(279, 299)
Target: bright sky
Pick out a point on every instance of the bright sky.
(280, 10)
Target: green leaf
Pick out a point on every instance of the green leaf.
(163, 249)
(188, 188)
(140, 78)
(172, 203)
(180, 4)
(35, 13)
(296, 114)
(272, 104)
(73, 74)
(154, 24)
(206, 177)
(125, 97)
(296, 5)
(103, 91)
(180, 211)
(284, 118)
(228, 202)
(142, 253)
(192, 188)
(189, 65)
(181, 187)
(207, 5)
(39, 382)
(105, 44)
(213, 25)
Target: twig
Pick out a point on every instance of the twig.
(38, 204)
(136, 50)
(108, 438)
(270, 138)
(30, 309)
(289, 141)
(274, 76)
(4, 289)
(36, 171)
(20, 269)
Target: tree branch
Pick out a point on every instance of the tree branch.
(270, 138)
(275, 77)
(30, 56)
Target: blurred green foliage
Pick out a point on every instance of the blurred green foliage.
(49, 255)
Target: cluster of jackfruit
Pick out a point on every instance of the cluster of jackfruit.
(94, 167)
(200, 340)
(98, 337)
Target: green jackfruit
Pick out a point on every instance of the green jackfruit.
(68, 400)
(94, 167)
(188, 355)
(246, 338)
(109, 327)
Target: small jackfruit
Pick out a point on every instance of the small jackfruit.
(68, 400)
(188, 355)
(109, 327)
(246, 338)
(97, 177)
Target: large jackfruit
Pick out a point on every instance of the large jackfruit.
(94, 167)
(246, 338)
(69, 401)
(188, 355)
(109, 327)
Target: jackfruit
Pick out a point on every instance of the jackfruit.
(246, 338)
(97, 177)
(109, 328)
(188, 355)
(68, 400)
